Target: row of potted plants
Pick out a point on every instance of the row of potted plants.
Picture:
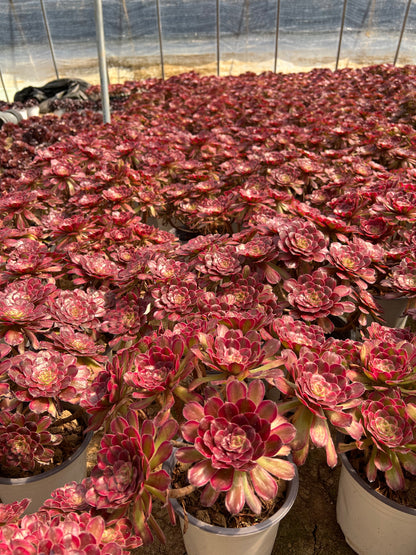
(223, 240)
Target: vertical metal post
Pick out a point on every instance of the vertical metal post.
(402, 31)
(159, 27)
(218, 36)
(48, 33)
(4, 86)
(99, 30)
(276, 45)
(341, 32)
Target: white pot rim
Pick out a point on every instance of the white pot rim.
(291, 493)
(29, 479)
(364, 484)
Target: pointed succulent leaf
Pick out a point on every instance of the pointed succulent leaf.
(302, 420)
(140, 522)
(148, 446)
(159, 480)
(166, 431)
(394, 476)
(408, 461)
(162, 454)
(331, 453)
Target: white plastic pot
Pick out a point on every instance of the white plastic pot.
(201, 538)
(373, 524)
(38, 488)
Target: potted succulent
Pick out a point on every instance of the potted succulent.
(235, 451)
(376, 480)
(303, 210)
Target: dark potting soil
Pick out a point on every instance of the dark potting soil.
(218, 515)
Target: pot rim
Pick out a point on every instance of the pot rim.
(291, 493)
(29, 479)
(364, 484)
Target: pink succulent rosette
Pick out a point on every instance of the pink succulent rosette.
(28, 439)
(316, 296)
(83, 534)
(390, 430)
(79, 309)
(233, 352)
(300, 240)
(235, 447)
(389, 362)
(44, 377)
(11, 512)
(128, 472)
(323, 394)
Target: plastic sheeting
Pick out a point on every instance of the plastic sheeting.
(45, 39)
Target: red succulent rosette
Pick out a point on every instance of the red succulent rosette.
(43, 377)
(28, 439)
(175, 299)
(235, 445)
(352, 263)
(316, 296)
(300, 240)
(79, 309)
(390, 434)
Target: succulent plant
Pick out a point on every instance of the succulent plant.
(235, 447)
(128, 475)
(389, 424)
(28, 439)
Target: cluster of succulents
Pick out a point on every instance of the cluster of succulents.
(301, 207)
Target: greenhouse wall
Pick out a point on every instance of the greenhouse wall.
(45, 39)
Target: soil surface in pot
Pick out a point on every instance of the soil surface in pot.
(72, 431)
(405, 497)
(218, 514)
(310, 527)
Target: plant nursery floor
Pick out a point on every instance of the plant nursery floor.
(310, 527)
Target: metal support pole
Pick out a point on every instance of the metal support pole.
(159, 28)
(218, 36)
(341, 32)
(99, 30)
(48, 33)
(4, 86)
(402, 31)
(276, 45)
